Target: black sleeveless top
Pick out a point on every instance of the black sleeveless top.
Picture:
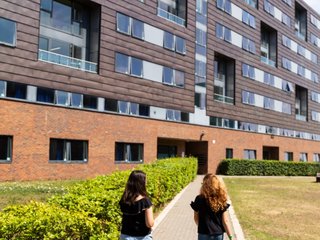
(133, 218)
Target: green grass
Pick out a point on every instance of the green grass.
(23, 192)
(276, 208)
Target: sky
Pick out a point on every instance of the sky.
(315, 4)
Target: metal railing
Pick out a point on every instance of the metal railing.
(63, 60)
(223, 98)
(171, 17)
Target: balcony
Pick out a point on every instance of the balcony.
(223, 99)
(268, 61)
(171, 17)
(66, 61)
(301, 117)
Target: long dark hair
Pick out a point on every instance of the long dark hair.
(136, 185)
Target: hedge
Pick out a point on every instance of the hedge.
(90, 210)
(267, 168)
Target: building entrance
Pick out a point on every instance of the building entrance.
(200, 151)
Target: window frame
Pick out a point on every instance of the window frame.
(14, 37)
(9, 148)
(126, 147)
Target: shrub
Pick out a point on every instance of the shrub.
(90, 210)
(267, 168)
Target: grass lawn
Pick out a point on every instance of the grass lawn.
(23, 192)
(276, 208)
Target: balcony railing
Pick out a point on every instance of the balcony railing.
(268, 61)
(223, 98)
(63, 60)
(301, 117)
(171, 17)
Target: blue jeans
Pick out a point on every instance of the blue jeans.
(127, 237)
(210, 237)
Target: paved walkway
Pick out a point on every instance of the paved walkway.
(176, 222)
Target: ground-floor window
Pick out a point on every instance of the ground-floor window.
(316, 157)
(250, 154)
(128, 152)
(68, 150)
(229, 153)
(166, 151)
(5, 148)
(303, 157)
(288, 156)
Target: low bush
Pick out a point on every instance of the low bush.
(90, 210)
(267, 168)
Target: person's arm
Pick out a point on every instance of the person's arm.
(226, 225)
(196, 217)
(149, 217)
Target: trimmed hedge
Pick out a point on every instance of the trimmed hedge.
(267, 168)
(90, 210)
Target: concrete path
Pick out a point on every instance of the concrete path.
(175, 222)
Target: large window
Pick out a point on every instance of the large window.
(224, 79)
(173, 10)
(166, 151)
(229, 153)
(5, 148)
(301, 103)
(68, 150)
(7, 32)
(300, 25)
(303, 157)
(69, 34)
(268, 45)
(128, 152)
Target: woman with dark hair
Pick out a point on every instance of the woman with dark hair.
(210, 210)
(136, 208)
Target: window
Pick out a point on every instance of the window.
(7, 32)
(144, 110)
(248, 98)
(201, 37)
(16, 90)
(300, 22)
(286, 63)
(224, 5)
(76, 100)
(167, 75)
(5, 148)
(70, 33)
(123, 24)
(268, 7)
(229, 153)
(68, 150)
(252, 3)
(200, 68)
(62, 98)
(173, 115)
(249, 154)
(268, 45)
(288, 156)
(90, 102)
(224, 78)
(173, 10)
(136, 67)
(165, 151)
(3, 88)
(200, 100)
(301, 105)
(248, 19)
(168, 41)
(201, 7)
(248, 45)
(286, 41)
(180, 45)
(111, 105)
(316, 157)
(248, 71)
(122, 63)
(137, 29)
(128, 152)
(303, 157)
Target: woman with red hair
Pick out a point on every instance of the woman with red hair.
(210, 210)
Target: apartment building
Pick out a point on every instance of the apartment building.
(88, 87)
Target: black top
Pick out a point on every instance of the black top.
(210, 222)
(133, 217)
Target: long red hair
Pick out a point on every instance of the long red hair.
(214, 192)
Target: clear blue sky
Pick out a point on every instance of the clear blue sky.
(315, 4)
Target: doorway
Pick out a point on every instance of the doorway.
(270, 153)
(200, 151)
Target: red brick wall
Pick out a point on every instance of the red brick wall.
(32, 126)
